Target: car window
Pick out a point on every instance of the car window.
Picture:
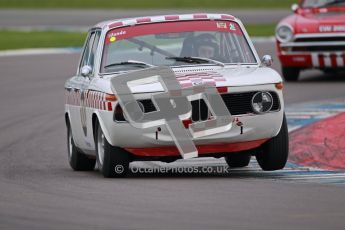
(90, 50)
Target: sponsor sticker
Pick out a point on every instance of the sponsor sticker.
(232, 26)
(330, 28)
(197, 82)
(221, 25)
(117, 34)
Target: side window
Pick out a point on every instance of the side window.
(90, 50)
(94, 49)
(86, 53)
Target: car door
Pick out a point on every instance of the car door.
(77, 85)
(85, 111)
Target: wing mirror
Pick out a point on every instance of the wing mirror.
(267, 60)
(86, 71)
(294, 7)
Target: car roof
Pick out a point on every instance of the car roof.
(162, 18)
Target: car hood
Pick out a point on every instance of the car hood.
(229, 77)
(322, 20)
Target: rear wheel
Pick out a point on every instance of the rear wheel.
(112, 161)
(238, 160)
(273, 154)
(77, 160)
(291, 73)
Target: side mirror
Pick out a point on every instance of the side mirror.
(294, 7)
(86, 71)
(267, 60)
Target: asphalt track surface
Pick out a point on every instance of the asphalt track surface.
(87, 18)
(38, 190)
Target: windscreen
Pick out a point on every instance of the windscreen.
(156, 43)
(322, 3)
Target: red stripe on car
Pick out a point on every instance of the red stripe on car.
(143, 20)
(200, 16)
(172, 17)
(115, 24)
(334, 60)
(227, 17)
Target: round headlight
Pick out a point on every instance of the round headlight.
(262, 102)
(141, 105)
(284, 33)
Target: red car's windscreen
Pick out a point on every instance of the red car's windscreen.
(322, 3)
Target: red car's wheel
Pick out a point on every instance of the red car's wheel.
(291, 73)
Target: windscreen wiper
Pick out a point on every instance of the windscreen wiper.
(200, 60)
(130, 62)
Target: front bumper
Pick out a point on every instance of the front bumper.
(319, 50)
(319, 60)
(257, 128)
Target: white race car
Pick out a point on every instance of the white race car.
(211, 50)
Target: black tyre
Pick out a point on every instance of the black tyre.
(273, 154)
(77, 160)
(238, 160)
(330, 71)
(291, 73)
(112, 161)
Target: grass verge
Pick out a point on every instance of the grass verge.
(260, 30)
(39, 39)
(147, 4)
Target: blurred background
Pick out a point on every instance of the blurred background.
(62, 23)
(40, 44)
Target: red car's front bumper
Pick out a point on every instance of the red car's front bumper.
(308, 60)
(313, 60)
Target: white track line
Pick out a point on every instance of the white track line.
(29, 52)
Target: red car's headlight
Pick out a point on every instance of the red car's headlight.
(284, 33)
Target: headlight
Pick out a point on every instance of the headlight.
(120, 116)
(284, 33)
(262, 102)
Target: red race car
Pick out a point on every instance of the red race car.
(313, 37)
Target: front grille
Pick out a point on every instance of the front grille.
(318, 44)
(241, 103)
(200, 110)
(237, 104)
(321, 39)
(319, 48)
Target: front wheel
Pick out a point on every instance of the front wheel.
(291, 73)
(273, 154)
(330, 71)
(112, 161)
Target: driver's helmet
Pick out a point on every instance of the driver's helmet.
(205, 45)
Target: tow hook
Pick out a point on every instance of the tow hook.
(158, 130)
